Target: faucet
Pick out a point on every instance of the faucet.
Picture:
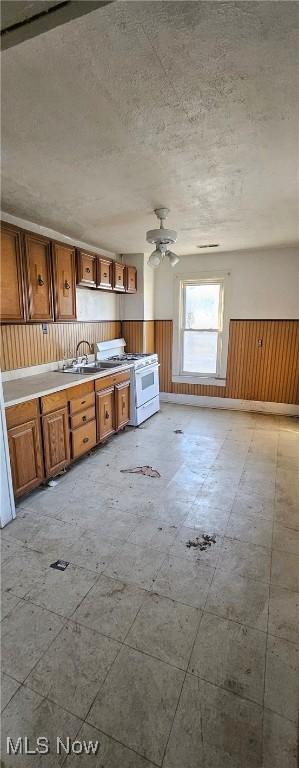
(85, 355)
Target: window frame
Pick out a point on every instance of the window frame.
(178, 373)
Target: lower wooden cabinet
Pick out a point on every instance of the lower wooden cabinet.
(122, 404)
(26, 456)
(72, 421)
(105, 408)
(84, 438)
(56, 441)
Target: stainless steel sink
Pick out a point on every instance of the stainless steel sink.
(91, 368)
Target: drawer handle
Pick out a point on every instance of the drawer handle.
(66, 285)
(84, 418)
(85, 439)
(107, 415)
(119, 278)
(40, 280)
(105, 274)
(87, 269)
(83, 402)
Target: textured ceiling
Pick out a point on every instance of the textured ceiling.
(191, 105)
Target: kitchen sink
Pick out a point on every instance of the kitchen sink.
(91, 368)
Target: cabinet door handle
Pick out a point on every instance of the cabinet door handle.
(119, 278)
(40, 280)
(66, 285)
(107, 415)
(105, 274)
(84, 418)
(123, 405)
(85, 439)
(83, 402)
(87, 269)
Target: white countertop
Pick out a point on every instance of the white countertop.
(30, 387)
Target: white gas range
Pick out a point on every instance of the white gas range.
(144, 377)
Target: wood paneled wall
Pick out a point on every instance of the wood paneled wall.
(139, 335)
(24, 345)
(269, 373)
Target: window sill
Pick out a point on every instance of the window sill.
(202, 380)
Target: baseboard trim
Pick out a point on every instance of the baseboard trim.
(228, 403)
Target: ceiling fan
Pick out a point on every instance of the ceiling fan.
(162, 238)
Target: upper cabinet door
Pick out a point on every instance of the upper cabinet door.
(118, 276)
(64, 282)
(12, 296)
(39, 277)
(86, 269)
(131, 279)
(105, 274)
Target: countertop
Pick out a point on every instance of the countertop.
(30, 387)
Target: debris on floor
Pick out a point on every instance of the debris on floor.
(146, 470)
(59, 565)
(202, 542)
(178, 432)
(52, 483)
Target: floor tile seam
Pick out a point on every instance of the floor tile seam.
(122, 744)
(227, 690)
(44, 651)
(268, 612)
(234, 621)
(180, 694)
(53, 701)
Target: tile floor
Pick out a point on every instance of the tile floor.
(167, 655)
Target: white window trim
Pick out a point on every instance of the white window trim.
(178, 376)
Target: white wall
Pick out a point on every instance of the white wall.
(264, 284)
(97, 305)
(140, 305)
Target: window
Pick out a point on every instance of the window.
(200, 342)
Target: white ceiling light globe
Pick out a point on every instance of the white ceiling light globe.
(155, 258)
(173, 258)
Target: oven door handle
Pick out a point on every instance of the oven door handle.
(147, 369)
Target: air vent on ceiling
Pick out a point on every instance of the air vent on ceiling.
(209, 245)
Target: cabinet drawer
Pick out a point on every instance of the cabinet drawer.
(54, 402)
(78, 419)
(19, 414)
(74, 393)
(83, 439)
(109, 381)
(82, 403)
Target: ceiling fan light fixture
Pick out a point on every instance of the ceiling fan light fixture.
(162, 238)
(172, 258)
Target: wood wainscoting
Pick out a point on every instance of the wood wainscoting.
(139, 335)
(269, 373)
(25, 345)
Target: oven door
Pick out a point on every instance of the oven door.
(147, 383)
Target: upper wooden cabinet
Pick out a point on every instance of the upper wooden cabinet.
(64, 281)
(86, 269)
(131, 279)
(119, 276)
(105, 274)
(12, 294)
(39, 278)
